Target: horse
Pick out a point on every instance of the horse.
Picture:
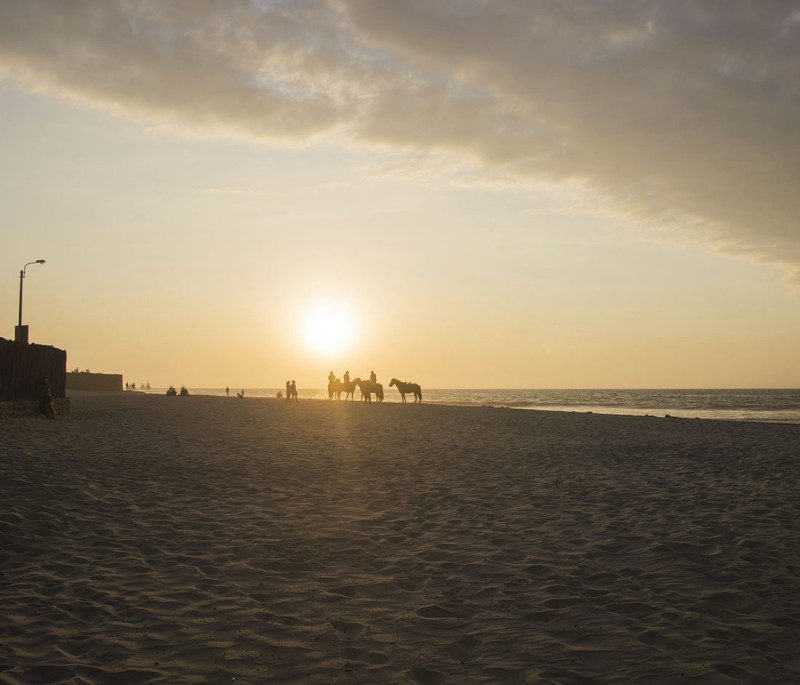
(408, 388)
(340, 387)
(369, 387)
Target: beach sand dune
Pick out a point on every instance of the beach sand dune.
(150, 539)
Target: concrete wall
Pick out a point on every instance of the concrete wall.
(97, 382)
(22, 368)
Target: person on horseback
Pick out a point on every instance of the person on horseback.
(372, 377)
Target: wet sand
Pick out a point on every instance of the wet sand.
(149, 539)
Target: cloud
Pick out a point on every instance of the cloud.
(680, 113)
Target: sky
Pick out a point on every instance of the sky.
(465, 194)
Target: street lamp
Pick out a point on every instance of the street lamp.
(21, 332)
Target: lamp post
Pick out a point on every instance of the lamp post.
(21, 332)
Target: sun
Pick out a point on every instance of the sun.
(328, 329)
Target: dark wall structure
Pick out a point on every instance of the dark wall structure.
(22, 368)
(97, 382)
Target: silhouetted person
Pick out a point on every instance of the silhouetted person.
(46, 400)
(293, 388)
(227, 392)
(288, 391)
(372, 377)
(240, 394)
(184, 391)
(346, 376)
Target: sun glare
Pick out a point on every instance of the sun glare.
(328, 329)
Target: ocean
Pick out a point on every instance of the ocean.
(773, 406)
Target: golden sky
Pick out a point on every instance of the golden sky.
(462, 193)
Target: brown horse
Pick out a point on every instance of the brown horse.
(367, 388)
(338, 387)
(408, 388)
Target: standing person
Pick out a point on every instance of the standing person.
(47, 400)
(227, 392)
(288, 391)
(331, 384)
(293, 388)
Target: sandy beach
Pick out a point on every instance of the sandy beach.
(208, 540)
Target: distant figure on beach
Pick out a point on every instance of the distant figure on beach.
(46, 402)
(288, 391)
(240, 394)
(171, 392)
(338, 387)
(331, 385)
(372, 377)
(133, 386)
(127, 386)
(293, 390)
(369, 387)
(279, 394)
(184, 391)
(405, 388)
(227, 392)
(347, 377)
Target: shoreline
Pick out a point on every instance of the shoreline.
(188, 540)
(677, 413)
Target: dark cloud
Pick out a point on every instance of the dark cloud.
(683, 112)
